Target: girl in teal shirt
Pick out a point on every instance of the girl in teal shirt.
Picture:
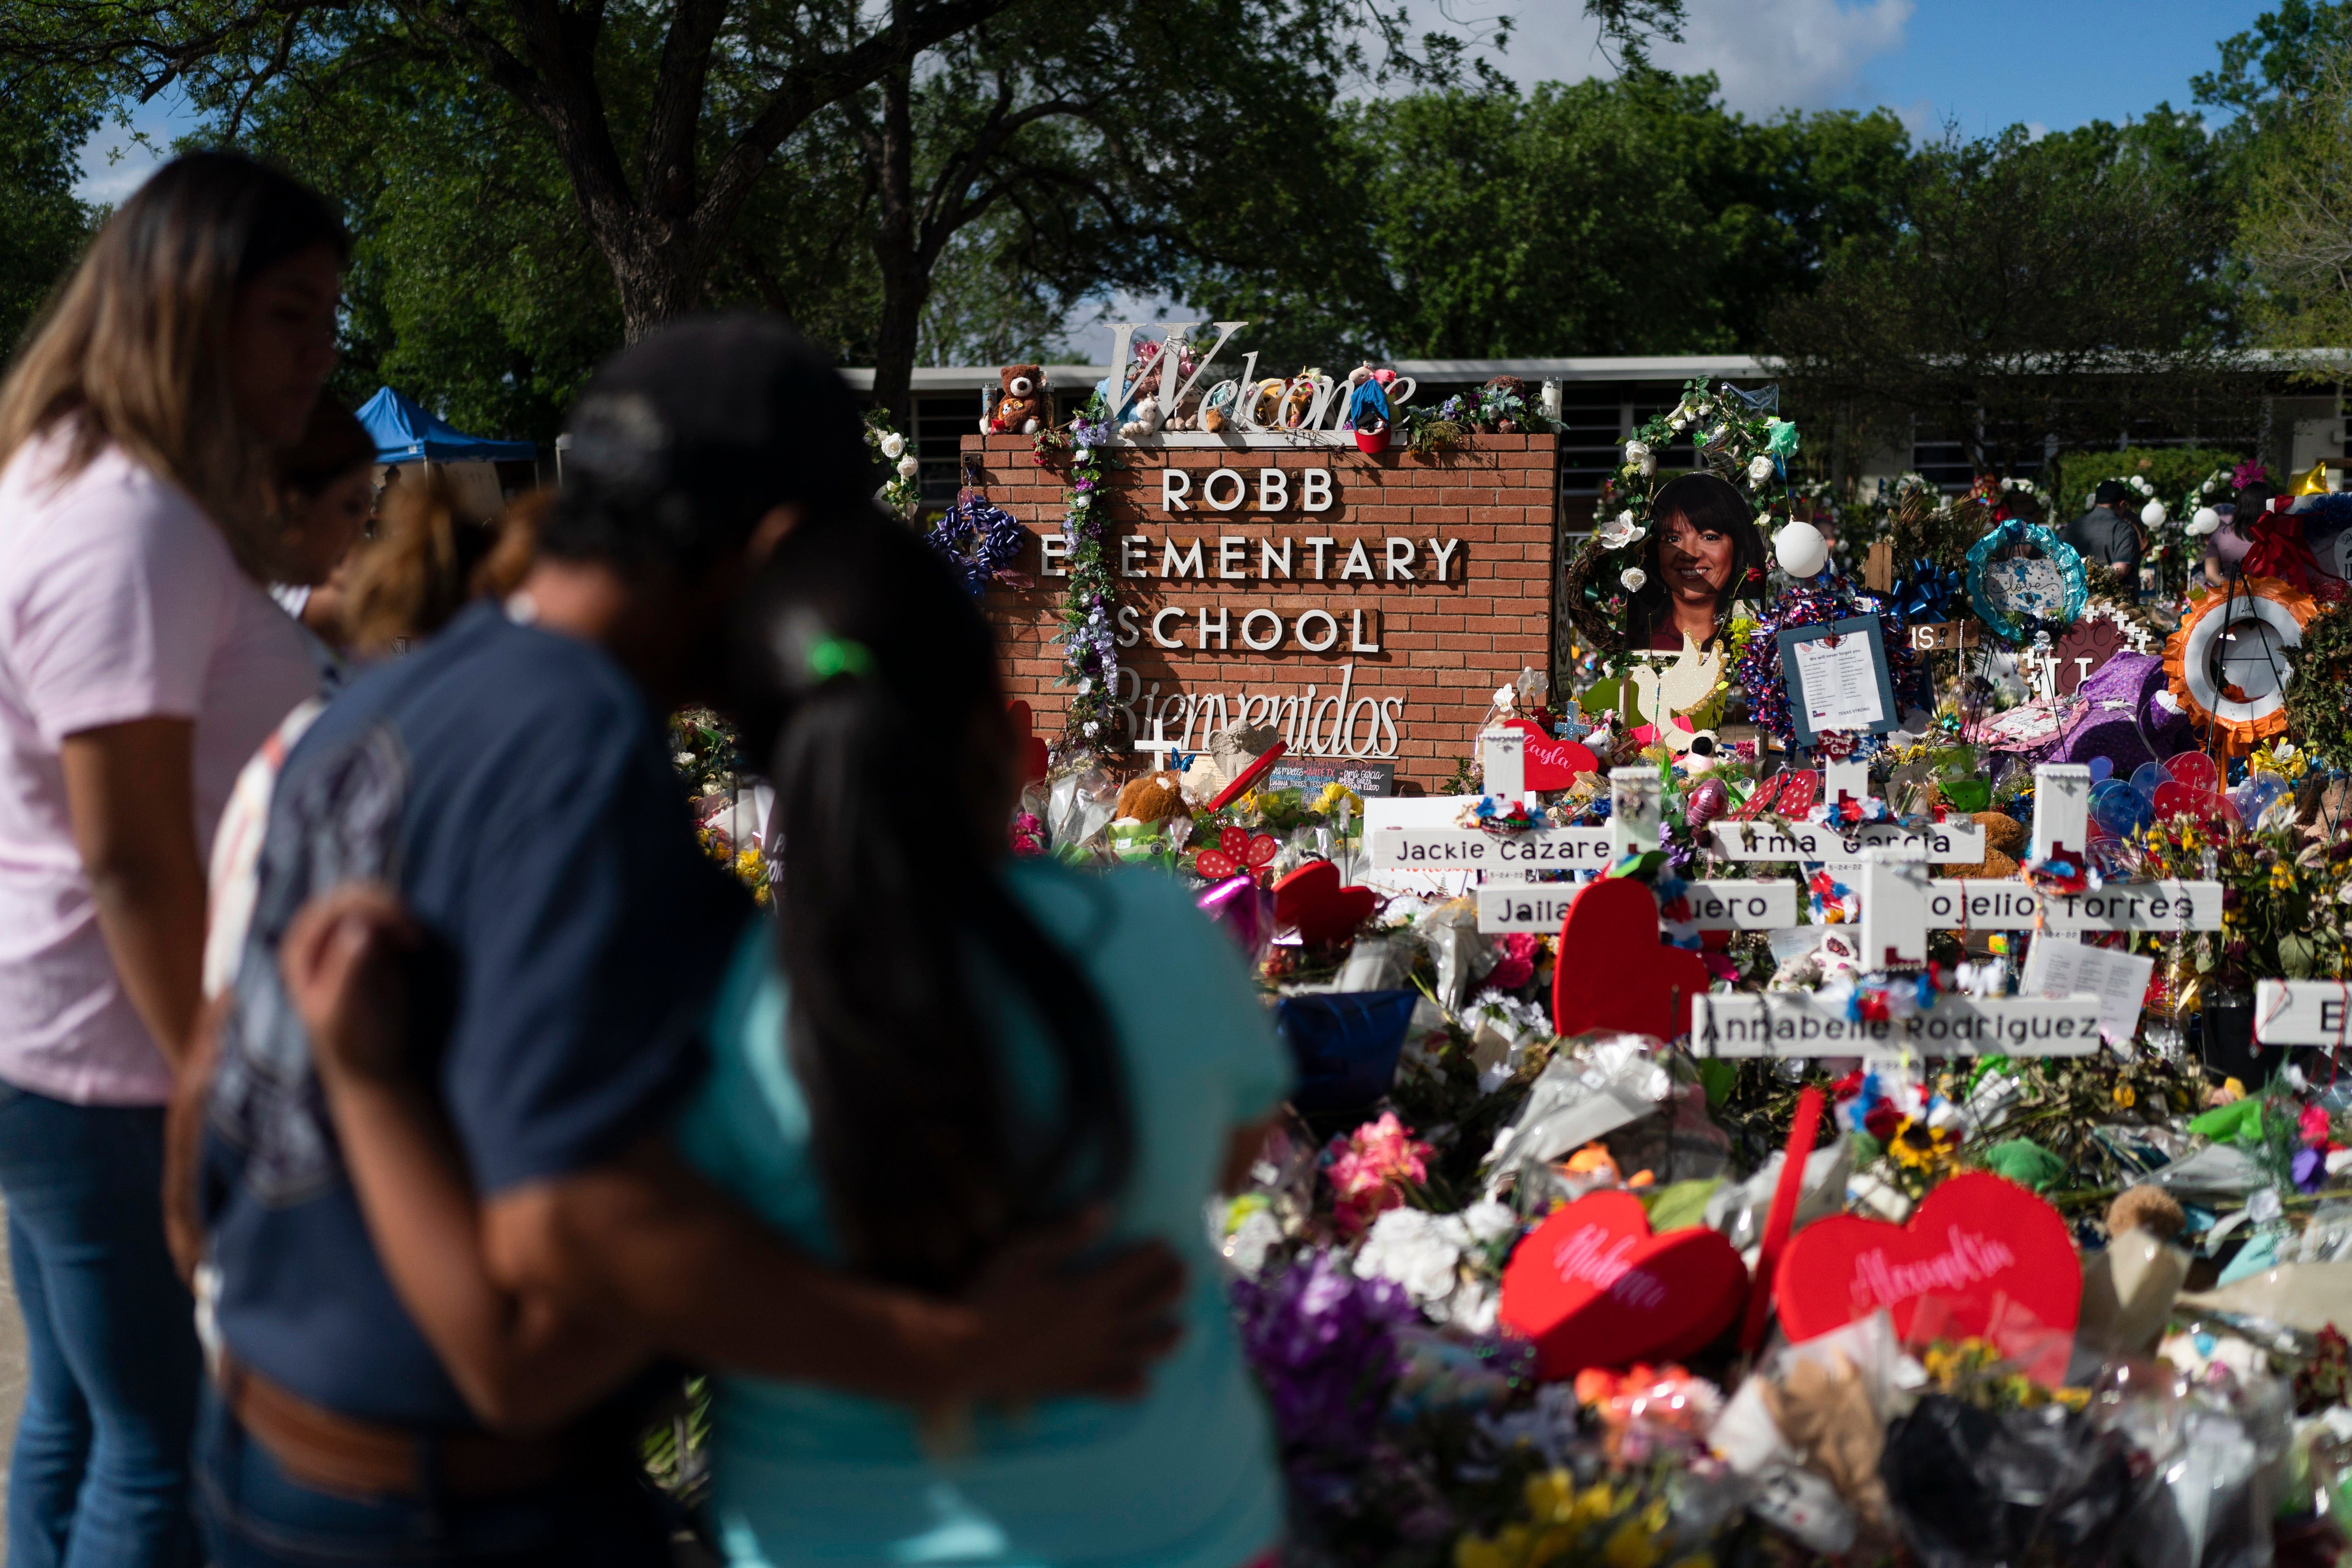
(932, 1049)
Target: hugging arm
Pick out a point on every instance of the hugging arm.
(548, 1294)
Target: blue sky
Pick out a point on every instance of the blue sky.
(1985, 63)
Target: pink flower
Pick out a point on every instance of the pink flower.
(1518, 965)
(2313, 1126)
(1369, 1168)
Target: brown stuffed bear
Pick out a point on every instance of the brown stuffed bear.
(1022, 410)
(1152, 797)
(2004, 836)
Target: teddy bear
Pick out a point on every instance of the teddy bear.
(1152, 797)
(1022, 410)
(2004, 836)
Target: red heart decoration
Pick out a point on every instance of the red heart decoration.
(1216, 864)
(1789, 792)
(1592, 1287)
(1995, 1260)
(1034, 758)
(1263, 848)
(1614, 971)
(1249, 775)
(1312, 899)
(1552, 762)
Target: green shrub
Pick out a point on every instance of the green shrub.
(2173, 470)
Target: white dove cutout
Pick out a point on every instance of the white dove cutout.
(1659, 692)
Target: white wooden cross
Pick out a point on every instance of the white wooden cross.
(1634, 805)
(1160, 745)
(1895, 917)
(2061, 811)
(1503, 761)
(1845, 780)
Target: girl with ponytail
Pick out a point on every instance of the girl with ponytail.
(937, 1049)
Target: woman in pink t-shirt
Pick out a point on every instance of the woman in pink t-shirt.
(140, 663)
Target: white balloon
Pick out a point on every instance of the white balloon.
(1801, 548)
(2207, 521)
(2153, 513)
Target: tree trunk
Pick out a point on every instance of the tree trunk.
(898, 253)
(656, 283)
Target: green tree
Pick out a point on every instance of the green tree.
(2273, 65)
(1633, 215)
(41, 127)
(2060, 290)
(2296, 233)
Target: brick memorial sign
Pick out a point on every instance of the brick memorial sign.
(1366, 606)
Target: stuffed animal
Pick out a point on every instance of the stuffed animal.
(1022, 411)
(1368, 401)
(1146, 420)
(1152, 797)
(1187, 413)
(1301, 400)
(1214, 416)
(2004, 836)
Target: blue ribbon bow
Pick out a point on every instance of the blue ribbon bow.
(1927, 593)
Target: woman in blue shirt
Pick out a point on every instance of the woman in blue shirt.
(932, 1052)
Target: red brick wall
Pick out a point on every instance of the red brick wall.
(1443, 646)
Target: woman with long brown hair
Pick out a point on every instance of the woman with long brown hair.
(140, 662)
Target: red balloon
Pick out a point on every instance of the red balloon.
(2194, 769)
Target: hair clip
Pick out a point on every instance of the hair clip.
(829, 657)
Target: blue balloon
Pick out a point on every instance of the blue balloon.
(2120, 808)
(2101, 769)
(2148, 778)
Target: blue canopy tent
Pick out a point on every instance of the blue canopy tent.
(406, 433)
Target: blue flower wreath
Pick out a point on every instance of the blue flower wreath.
(979, 538)
(2016, 628)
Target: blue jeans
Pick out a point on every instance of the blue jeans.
(100, 1478)
(256, 1516)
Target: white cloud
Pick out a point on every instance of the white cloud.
(1770, 54)
(1787, 54)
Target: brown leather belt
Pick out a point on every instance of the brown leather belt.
(335, 1453)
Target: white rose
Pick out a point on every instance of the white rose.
(1632, 578)
(1639, 455)
(1489, 1221)
(909, 467)
(1759, 469)
(1256, 1236)
(1622, 530)
(1419, 1251)
(893, 445)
